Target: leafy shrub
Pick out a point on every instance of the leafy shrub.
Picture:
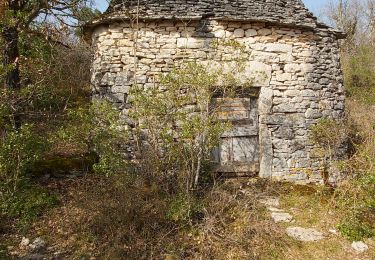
(98, 128)
(176, 124)
(184, 208)
(26, 205)
(19, 148)
(355, 230)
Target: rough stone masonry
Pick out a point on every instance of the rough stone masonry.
(298, 56)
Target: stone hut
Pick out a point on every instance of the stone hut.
(298, 56)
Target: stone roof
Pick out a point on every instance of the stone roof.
(292, 13)
(288, 12)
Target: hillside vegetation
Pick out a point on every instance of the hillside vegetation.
(63, 176)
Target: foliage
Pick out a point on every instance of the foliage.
(177, 125)
(19, 148)
(359, 71)
(98, 128)
(184, 208)
(355, 230)
(24, 207)
(52, 80)
(356, 196)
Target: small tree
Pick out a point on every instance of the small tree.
(177, 124)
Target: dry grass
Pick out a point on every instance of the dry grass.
(106, 218)
(314, 207)
(109, 219)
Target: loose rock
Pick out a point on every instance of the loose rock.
(281, 217)
(38, 245)
(359, 246)
(24, 242)
(270, 201)
(273, 209)
(304, 234)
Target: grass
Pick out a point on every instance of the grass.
(315, 207)
(112, 218)
(109, 219)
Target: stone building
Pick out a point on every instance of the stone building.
(297, 56)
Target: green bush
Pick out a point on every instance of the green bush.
(19, 148)
(177, 125)
(184, 208)
(355, 230)
(26, 205)
(98, 128)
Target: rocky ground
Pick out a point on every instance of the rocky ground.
(302, 221)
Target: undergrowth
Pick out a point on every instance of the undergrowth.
(117, 216)
(21, 209)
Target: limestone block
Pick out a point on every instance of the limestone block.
(313, 113)
(304, 234)
(265, 57)
(266, 151)
(305, 54)
(234, 25)
(190, 43)
(219, 33)
(284, 132)
(265, 101)
(292, 67)
(108, 42)
(307, 67)
(258, 46)
(278, 47)
(286, 57)
(125, 42)
(324, 81)
(292, 93)
(251, 33)
(117, 35)
(279, 163)
(228, 34)
(120, 89)
(239, 33)
(284, 77)
(309, 93)
(108, 79)
(281, 217)
(256, 73)
(359, 246)
(264, 32)
(314, 86)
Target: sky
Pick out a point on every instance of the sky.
(314, 5)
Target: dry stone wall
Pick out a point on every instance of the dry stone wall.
(301, 82)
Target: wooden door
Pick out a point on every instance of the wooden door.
(238, 153)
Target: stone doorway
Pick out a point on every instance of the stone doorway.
(239, 153)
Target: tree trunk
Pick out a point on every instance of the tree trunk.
(11, 64)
